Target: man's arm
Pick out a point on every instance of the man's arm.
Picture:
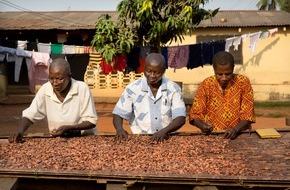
(23, 126)
(81, 126)
(247, 113)
(198, 112)
(204, 127)
(118, 124)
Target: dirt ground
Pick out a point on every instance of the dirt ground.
(11, 109)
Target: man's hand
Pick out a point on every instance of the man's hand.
(206, 128)
(59, 131)
(160, 136)
(231, 133)
(121, 135)
(15, 138)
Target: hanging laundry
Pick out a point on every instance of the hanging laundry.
(195, 59)
(38, 72)
(68, 49)
(218, 46)
(20, 55)
(2, 57)
(178, 56)
(43, 47)
(87, 49)
(107, 68)
(120, 62)
(272, 31)
(78, 64)
(207, 52)
(79, 50)
(7, 50)
(254, 41)
(144, 51)
(164, 52)
(9, 53)
(133, 60)
(56, 48)
(172, 53)
(237, 42)
(264, 34)
(10, 58)
(229, 43)
(141, 68)
(182, 56)
(244, 38)
(22, 44)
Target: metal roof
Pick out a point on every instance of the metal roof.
(247, 19)
(71, 20)
(61, 20)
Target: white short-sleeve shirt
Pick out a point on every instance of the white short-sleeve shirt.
(148, 114)
(78, 106)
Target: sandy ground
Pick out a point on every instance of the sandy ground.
(10, 113)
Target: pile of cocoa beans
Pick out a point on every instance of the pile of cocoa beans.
(179, 156)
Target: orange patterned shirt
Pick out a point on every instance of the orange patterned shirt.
(224, 110)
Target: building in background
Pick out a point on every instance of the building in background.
(262, 55)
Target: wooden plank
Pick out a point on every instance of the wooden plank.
(8, 183)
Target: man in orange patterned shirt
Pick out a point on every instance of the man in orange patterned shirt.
(224, 101)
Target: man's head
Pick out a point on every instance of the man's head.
(154, 67)
(59, 74)
(223, 65)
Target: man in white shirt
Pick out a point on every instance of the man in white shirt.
(67, 104)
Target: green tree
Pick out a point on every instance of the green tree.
(111, 39)
(274, 5)
(151, 23)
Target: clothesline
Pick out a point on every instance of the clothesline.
(52, 48)
(236, 40)
(190, 56)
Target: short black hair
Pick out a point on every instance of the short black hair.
(223, 58)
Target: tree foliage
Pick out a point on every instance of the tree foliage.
(151, 23)
(274, 5)
(111, 39)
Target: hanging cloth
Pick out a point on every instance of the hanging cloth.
(107, 68)
(164, 52)
(22, 44)
(20, 55)
(254, 41)
(195, 59)
(229, 43)
(207, 52)
(43, 47)
(78, 64)
(38, 72)
(56, 48)
(120, 62)
(68, 49)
